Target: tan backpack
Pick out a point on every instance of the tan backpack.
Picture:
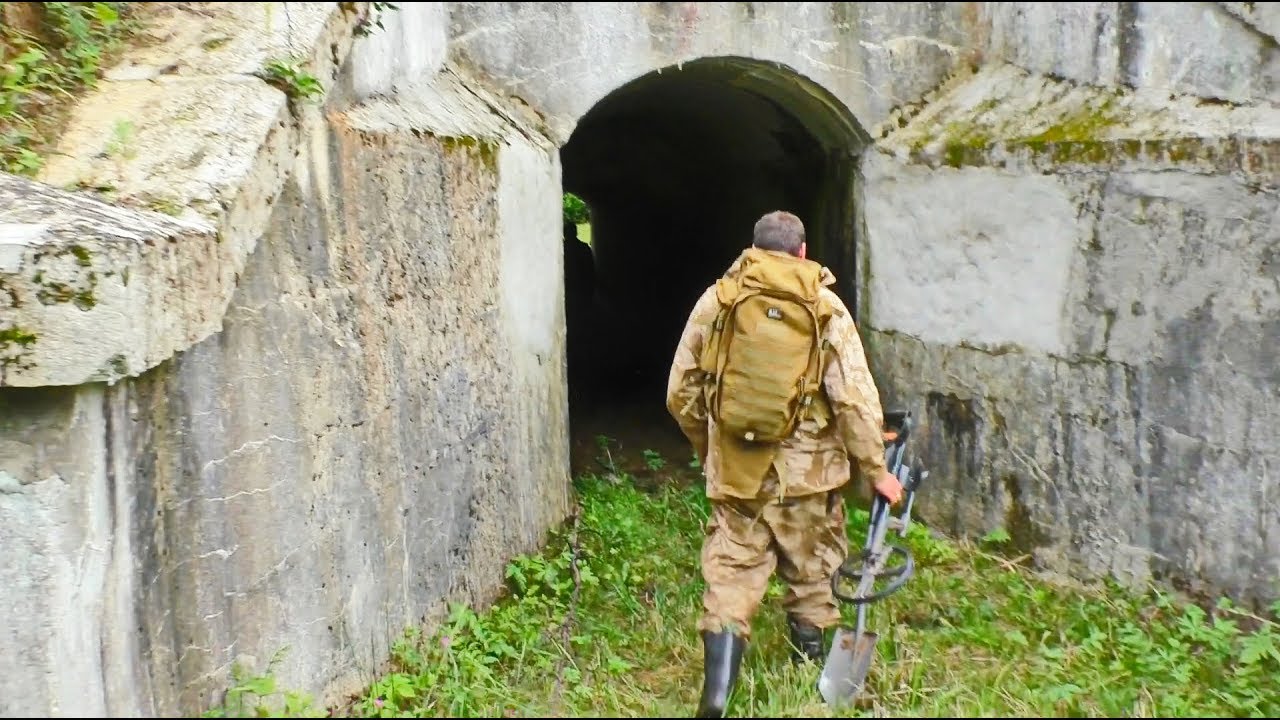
(764, 354)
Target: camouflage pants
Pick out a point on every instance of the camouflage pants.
(802, 538)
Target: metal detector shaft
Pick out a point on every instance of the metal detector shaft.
(875, 541)
(852, 651)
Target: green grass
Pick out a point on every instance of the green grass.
(602, 624)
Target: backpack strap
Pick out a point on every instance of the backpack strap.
(727, 292)
(813, 404)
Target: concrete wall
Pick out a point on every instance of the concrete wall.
(1031, 290)
(375, 426)
(1081, 314)
(1077, 384)
(329, 396)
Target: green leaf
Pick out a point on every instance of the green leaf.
(261, 685)
(996, 536)
(1255, 647)
(105, 14)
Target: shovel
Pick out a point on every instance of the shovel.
(845, 671)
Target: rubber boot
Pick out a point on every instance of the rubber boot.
(722, 656)
(807, 641)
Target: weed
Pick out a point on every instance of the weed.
(289, 77)
(256, 695)
(602, 624)
(998, 536)
(58, 52)
(653, 460)
(603, 443)
(575, 210)
(120, 146)
(365, 27)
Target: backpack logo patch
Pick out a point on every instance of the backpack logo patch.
(774, 313)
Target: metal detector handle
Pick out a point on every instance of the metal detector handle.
(914, 480)
(915, 477)
(876, 553)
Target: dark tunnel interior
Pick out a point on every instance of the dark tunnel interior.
(675, 169)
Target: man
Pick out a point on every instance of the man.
(779, 504)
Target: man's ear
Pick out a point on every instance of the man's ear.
(803, 247)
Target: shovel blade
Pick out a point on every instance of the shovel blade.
(847, 666)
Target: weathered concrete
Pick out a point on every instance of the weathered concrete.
(95, 289)
(182, 127)
(872, 56)
(1225, 51)
(329, 395)
(375, 426)
(987, 275)
(1081, 314)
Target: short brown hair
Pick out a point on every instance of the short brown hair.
(780, 231)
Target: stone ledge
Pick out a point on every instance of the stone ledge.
(449, 107)
(91, 291)
(192, 126)
(1002, 116)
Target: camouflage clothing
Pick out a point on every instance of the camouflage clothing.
(803, 538)
(794, 523)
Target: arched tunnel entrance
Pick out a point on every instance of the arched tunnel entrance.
(675, 168)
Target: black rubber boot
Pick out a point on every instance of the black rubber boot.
(722, 656)
(807, 641)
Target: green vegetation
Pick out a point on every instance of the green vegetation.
(601, 624)
(289, 77)
(16, 336)
(49, 52)
(576, 212)
(256, 695)
(376, 10)
(1085, 124)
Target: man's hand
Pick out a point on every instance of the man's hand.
(889, 487)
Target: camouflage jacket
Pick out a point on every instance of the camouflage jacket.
(818, 457)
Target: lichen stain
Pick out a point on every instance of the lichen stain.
(1024, 533)
(952, 445)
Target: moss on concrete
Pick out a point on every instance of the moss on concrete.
(82, 255)
(53, 292)
(1080, 136)
(1064, 124)
(16, 336)
(1085, 124)
(486, 149)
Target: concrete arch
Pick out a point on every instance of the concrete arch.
(562, 59)
(677, 165)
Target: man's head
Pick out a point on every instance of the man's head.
(780, 231)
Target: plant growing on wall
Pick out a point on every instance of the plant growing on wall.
(48, 53)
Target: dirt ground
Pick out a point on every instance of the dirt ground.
(633, 419)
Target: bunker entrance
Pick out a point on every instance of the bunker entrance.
(674, 169)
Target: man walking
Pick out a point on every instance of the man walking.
(771, 386)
